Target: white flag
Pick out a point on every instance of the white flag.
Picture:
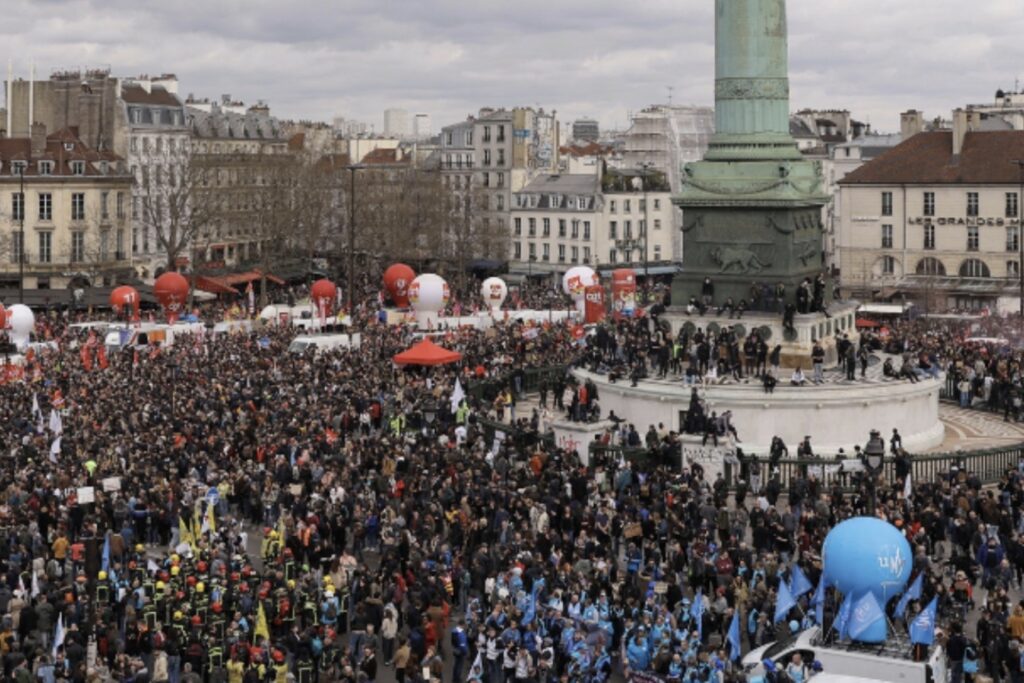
(457, 395)
(58, 636)
(40, 424)
(152, 566)
(908, 488)
(35, 584)
(56, 423)
(36, 412)
(55, 449)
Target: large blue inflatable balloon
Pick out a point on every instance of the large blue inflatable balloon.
(867, 555)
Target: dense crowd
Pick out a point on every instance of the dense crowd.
(262, 516)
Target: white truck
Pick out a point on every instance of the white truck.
(325, 342)
(847, 662)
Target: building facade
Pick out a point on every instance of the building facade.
(667, 136)
(70, 202)
(397, 123)
(936, 219)
(559, 221)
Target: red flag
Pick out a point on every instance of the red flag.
(135, 358)
(58, 399)
(155, 352)
(30, 356)
(86, 358)
(331, 436)
(101, 356)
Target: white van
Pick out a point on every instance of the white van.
(232, 327)
(889, 662)
(325, 342)
(145, 334)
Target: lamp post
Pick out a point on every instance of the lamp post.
(429, 415)
(174, 381)
(1020, 239)
(645, 167)
(874, 457)
(353, 168)
(529, 266)
(21, 235)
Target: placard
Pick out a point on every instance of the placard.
(112, 484)
(86, 494)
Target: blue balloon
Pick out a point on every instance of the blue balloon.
(867, 555)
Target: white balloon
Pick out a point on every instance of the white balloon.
(22, 322)
(494, 290)
(577, 279)
(429, 293)
(269, 313)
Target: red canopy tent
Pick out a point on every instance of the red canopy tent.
(427, 352)
(867, 323)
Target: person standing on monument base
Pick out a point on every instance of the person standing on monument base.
(707, 293)
(780, 297)
(818, 359)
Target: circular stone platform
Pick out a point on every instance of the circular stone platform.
(836, 414)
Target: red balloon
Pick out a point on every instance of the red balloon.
(3, 318)
(125, 297)
(323, 292)
(397, 279)
(171, 290)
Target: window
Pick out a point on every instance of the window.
(487, 179)
(973, 267)
(611, 206)
(627, 230)
(929, 236)
(78, 245)
(487, 157)
(501, 133)
(533, 251)
(104, 208)
(657, 204)
(119, 253)
(134, 144)
(643, 227)
(642, 205)
(77, 206)
(1013, 269)
(546, 256)
(45, 206)
(972, 238)
(930, 266)
(561, 227)
(501, 157)
(626, 205)
(888, 265)
(18, 167)
(45, 167)
(135, 207)
(45, 244)
(135, 241)
(120, 204)
(78, 168)
(627, 255)
(500, 199)
(487, 133)
(972, 203)
(17, 206)
(533, 227)
(518, 223)
(929, 204)
(586, 254)
(104, 245)
(612, 256)
(657, 252)
(517, 249)
(1011, 204)
(613, 230)
(1012, 238)
(561, 253)
(547, 227)
(886, 237)
(657, 224)
(575, 229)
(586, 230)
(501, 180)
(575, 254)
(448, 139)
(887, 203)
(17, 248)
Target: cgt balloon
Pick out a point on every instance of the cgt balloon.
(494, 290)
(867, 555)
(397, 279)
(429, 293)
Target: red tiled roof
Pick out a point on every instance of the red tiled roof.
(19, 149)
(136, 94)
(927, 159)
(382, 156)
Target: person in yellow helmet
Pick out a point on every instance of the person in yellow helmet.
(102, 576)
(200, 587)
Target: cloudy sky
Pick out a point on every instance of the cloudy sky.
(601, 58)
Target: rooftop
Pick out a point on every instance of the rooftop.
(158, 95)
(928, 159)
(570, 183)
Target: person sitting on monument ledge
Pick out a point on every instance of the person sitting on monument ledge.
(780, 297)
(787, 317)
(755, 296)
(694, 307)
(728, 307)
(769, 382)
(798, 379)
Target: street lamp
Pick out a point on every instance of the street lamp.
(353, 168)
(645, 167)
(529, 266)
(174, 382)
(874, 458)
(21, 234)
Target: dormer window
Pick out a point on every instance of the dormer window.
(45, 168)
(18, 167)
(104, 167)
(78, 168)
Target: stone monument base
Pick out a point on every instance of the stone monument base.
(577, 436)
(796, 345)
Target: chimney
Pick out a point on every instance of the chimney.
(964, 121)
(911, 123)
(38, 139)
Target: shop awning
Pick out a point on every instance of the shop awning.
(214, 285)
(245, 278)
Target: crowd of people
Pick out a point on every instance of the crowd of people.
(222, 510)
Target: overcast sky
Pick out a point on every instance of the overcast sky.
(600, 58)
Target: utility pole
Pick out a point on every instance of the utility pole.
(353, 168)
(21, 235)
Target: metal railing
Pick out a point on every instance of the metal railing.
(487, 389)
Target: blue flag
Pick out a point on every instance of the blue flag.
(818, 602)
(913, 593)
(784, 602)
(735, 648)
(531, 607)
(922, 628)
(697, 612)
(843, 617)
(798, 583)
(106, 553)
(866, 612)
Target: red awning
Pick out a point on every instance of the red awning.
(245, 278)
(427, 352)
(214, 285)
(866, 323)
